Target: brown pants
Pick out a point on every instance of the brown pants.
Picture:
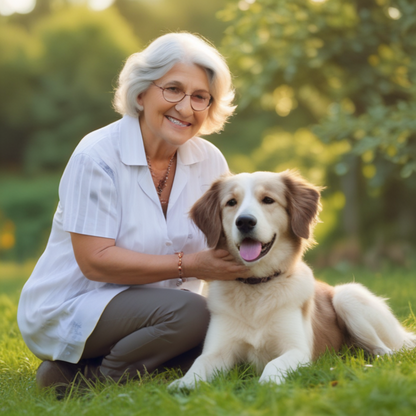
(143, 329)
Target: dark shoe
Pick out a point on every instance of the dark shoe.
(56, 374)
(92, 371)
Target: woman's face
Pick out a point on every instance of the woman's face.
(168, 123)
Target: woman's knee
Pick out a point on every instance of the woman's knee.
(193, 315)
(194, 308)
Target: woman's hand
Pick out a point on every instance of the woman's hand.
(213, 265)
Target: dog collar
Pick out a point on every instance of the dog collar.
(257, 280)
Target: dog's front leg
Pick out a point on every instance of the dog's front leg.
(219, 354)
(203, 369)
(277, 370)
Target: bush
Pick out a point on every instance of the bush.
(26, 211)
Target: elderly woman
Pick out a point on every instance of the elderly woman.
(118, 284)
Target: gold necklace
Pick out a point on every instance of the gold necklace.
(162, 182)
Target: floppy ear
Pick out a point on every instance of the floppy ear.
(303, 203)
(206, 214)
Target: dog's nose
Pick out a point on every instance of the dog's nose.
(245, 223)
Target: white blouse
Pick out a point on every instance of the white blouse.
(107, 191)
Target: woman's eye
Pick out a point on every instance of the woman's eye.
(174, 90)
(200, 97)
(231, 202)
(267, 200)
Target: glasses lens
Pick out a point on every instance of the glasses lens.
(173, 94)
(200, 100)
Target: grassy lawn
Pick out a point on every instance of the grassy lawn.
(345, 384)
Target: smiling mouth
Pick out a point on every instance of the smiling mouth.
(178, 122)
(252, 250)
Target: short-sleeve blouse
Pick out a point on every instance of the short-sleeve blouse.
(107, 191)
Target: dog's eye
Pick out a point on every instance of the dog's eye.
(267, 200)
(231, 202)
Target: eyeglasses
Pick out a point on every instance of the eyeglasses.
(200, 100)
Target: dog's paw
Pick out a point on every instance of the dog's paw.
(272, 374)
(183, 383)
(382, 351)
(271, 378)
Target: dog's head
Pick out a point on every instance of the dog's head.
(254, 215)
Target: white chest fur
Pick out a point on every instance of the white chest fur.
(261, 321)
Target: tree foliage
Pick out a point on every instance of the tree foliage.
(349, 64)
(16, 76)
(59, 78)
(81, 54)
(345, 70)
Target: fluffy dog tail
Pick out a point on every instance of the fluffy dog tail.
(369, 320)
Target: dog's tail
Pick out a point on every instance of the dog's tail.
(369, 320)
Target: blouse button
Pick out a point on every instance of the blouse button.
(168, 243)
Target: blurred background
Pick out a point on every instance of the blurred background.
(326, 87)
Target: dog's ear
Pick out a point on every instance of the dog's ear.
(303, 203)
(206, 214)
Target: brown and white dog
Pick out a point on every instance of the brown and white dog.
(282, 317)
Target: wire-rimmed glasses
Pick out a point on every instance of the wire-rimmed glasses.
(200, 100)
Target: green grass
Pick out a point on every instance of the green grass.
(348, 383)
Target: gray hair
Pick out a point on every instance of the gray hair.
(159, 57)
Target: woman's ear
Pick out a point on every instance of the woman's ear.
(139, 101)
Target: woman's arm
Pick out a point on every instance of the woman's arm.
(101, 260)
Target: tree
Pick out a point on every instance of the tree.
(347, 69)
(16, 86)
(82, 53)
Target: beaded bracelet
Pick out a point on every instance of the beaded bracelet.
(180, 271)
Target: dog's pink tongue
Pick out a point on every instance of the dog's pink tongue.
(250, 249)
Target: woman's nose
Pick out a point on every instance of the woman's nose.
(184, 106)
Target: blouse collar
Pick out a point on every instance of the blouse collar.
(132, 148)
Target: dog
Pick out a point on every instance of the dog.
(281, 318)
